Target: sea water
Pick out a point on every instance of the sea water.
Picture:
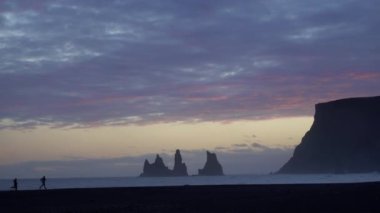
(66, 183)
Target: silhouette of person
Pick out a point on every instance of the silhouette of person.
(15, 184)
(43, 183)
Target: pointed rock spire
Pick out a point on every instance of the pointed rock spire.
(158, 168)
(212, 166)
(180, 168)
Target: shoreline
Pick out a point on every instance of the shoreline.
(94, 182)
(333, 197)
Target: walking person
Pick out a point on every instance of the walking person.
(43, 183)
(15, 184)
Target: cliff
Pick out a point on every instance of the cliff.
(212, 166)
(158, 168)
(344, 138)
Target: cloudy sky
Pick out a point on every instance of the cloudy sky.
(113, 79)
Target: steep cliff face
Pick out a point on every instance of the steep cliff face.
(345, 137)
(212, 166)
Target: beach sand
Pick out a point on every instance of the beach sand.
(353, 197)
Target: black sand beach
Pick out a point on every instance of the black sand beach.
(355, 197)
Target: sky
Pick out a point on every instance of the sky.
(104, 84)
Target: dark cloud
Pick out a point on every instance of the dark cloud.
(220, 148)
(234, 160)
(240, 145)
(89, 63)
(259, 146)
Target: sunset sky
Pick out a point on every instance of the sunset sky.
(92, 88)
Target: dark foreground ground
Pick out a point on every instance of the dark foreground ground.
(359, 197)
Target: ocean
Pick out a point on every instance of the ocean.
(66, 183)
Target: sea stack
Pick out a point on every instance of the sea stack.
(212, 166)
(156, 169)
(344, 138)
(180, 168)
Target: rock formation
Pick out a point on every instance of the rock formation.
(180, 168)
(212, 166)
(158, 168)
(344, 138)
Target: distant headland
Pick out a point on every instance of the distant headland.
(344, 138)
